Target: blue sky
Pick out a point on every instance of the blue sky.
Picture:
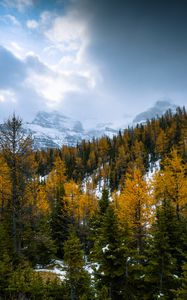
(91, 60)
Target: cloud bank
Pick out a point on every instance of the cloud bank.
(91, 59)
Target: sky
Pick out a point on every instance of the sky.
(93, 60)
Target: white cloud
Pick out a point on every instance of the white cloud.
(7, 96)
(32, 24)
(10, 19)
(20, 5)
(55, 65)
(68, 33)
(54, 87)
(69, 40)
(16, 49)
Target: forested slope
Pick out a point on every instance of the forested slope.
(130, 243)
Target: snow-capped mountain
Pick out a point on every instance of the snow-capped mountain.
(57, 121)
(52, 130)
(159, 108)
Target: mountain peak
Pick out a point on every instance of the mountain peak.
(158, 109)
(56, 120)
(53, 129)
(163, 103)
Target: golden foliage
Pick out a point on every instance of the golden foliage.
(135, 201)
(81, 205)
(42, 200)
(55, 179)
(171, 182)
(5, 185)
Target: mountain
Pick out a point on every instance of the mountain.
(52, 130)
(159, 108)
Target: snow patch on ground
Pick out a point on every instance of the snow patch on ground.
(153, 168)
(106, 248)
(43, 178)
(57, 267)
(91, 268)
(98, 190)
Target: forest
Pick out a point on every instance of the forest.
(110, 214)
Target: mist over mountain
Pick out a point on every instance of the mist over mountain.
(52, 130)
(159, 108)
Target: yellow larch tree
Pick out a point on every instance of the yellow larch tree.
(134, 205)
(88, 205)
(35, 196)
(5, 186)
(160, 142)
(170, 183)
(72, 198)
(42, 202)
(55, 180)
(81, 204)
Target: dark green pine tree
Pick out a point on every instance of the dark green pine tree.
(16, 149)
(112, 253)
(77, 279)
(181, 293)
(25, 283)
(96, 221)
(104, 201)
(177, 229)
(41, 247)
(5, 238)
(161, 272)
(6, 271)
(60, 221)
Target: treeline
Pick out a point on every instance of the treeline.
(112, 158)
(133, 239)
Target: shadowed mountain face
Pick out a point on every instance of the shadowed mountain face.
(52, 130)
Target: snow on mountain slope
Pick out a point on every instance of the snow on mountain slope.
(52, 130)
(57, 121)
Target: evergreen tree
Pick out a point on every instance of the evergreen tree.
(161, 270)
(41, 249)
(17, 152)
(111, 253)
(97, 219)
(77, 278)
(25, 284)
(104, 201)
(181, 293)
(60, 221)
(6, 271)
